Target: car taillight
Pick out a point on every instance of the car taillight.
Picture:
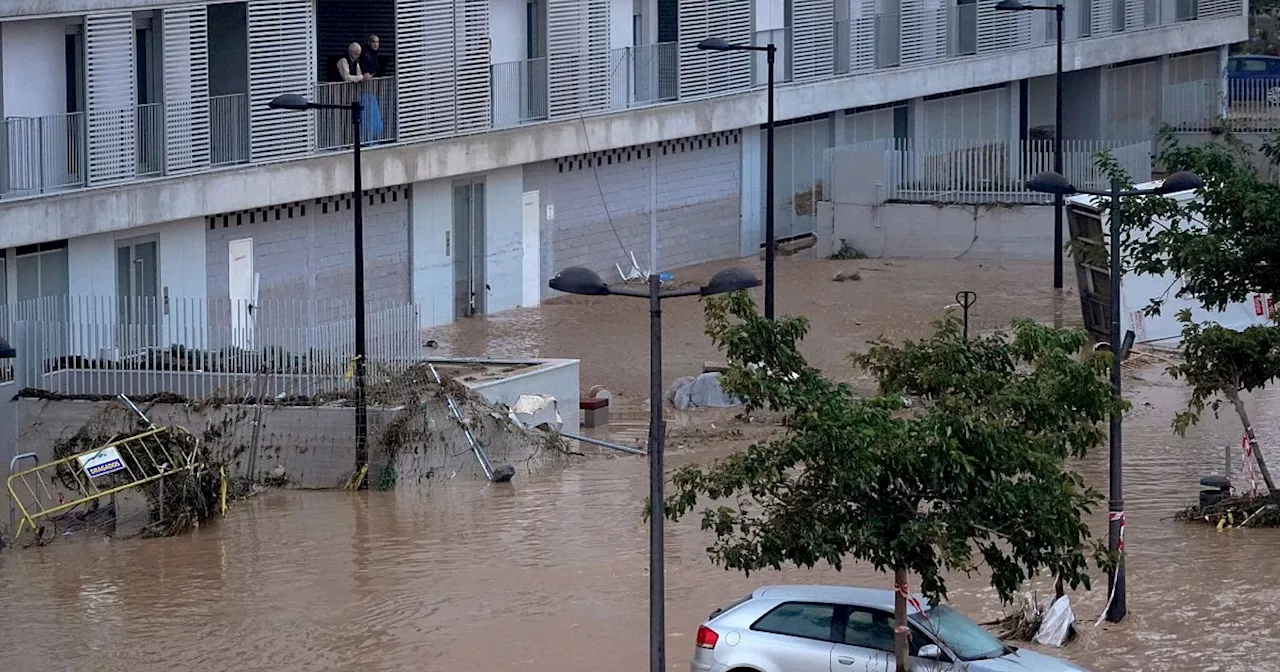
(707, 637)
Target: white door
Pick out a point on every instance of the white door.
(240, 288)
(531, 215)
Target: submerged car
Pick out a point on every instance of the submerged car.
(836, 628)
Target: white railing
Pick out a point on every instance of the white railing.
(334, 129)
(987, 171)
(1203, 106)
(519, 92)
(149, 130)
(228, 129)
(197, 348)
(42, 154)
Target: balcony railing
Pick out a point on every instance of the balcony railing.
(150, 133)
(888, 42)
(519, 92)
(43, 154)
(645, 74)
(962, 29)
(377, 122)
(228, 129)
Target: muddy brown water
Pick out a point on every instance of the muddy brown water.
(548, 573)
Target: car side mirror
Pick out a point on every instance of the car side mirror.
(930, 651)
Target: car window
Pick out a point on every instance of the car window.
(1253, 65)
(799, 619)
(869, 629)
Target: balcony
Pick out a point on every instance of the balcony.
(149, 127)
(519, 92)
(228, 129)
(43, 154)
(377, 121)
(646, 74)
(962, 29)
(888, 40)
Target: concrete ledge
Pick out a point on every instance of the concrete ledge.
(168, 199)
(922, 231)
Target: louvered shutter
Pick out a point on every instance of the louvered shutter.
(1100, 17)
(999, 31)
(1216, 8)
(862, 39)
(111, 91)
(709, 72)
(578, 57)
(1135, 14)
(813, 38)
(440, 62)
(412, 79)
(472, 97)
(186, 87)
(280, 61)
(919, 32)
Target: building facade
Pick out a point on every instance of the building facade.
(505, 139)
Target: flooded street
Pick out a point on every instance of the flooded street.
(548, 573)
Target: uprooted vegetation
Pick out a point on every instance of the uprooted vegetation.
(1236, 511)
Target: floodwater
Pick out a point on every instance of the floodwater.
(548, 573)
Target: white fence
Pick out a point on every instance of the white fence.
(201, 347)
(983, 171)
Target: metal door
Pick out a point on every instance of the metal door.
(468, 249)
(138, 292)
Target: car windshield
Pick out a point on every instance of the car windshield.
(968, 640)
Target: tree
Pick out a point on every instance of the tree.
(1223, 248)
(971, 471)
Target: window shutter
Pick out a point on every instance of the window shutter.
(705, 73)
(578, 57)
(111, 91)
(281, 61)
(813, 46)
(186, 87)
(472, 65)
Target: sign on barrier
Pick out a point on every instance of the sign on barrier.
(101, 463)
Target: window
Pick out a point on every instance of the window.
(869, 629)
(799, 619)
(42, 270)
(1253, 65)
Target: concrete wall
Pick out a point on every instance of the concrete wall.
(922, 231)
(303, 251)
(92, 259)
(176, 198)
(35, 67)
(557, 378)
(601, 205)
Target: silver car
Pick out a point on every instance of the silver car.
(841, 628)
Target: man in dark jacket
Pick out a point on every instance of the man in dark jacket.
(369, 57)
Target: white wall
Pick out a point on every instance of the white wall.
(430, 224)
(35, 71)
(620, 13)
(504, 238)
(507, 31)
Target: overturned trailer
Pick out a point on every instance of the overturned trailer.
(1089, 230)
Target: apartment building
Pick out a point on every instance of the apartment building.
(509, 138)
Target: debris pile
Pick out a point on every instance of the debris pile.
(1235, 511)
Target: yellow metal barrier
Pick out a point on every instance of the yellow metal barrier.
(118, 466)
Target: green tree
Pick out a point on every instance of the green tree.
(958, 461)
(1222, 247)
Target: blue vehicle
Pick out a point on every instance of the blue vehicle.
(1253, 77)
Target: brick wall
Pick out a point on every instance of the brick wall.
(601, 205)
(303, 250)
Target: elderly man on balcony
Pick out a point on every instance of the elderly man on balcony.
(352, 72)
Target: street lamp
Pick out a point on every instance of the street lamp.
(770, 241)
(1058, 9)
(1054, 183)
(293, 101)
(579, 280)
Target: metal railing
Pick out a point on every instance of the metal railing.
(229, 129)
(962, 29)
(1198, 105)
(149, 129)
(888, 42)
(201, 347)
(646, 73)
(43, 154)
(519, 93)
(377, 122)
(987, 171)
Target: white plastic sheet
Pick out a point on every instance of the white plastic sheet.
(703, 390)
(1057, 624)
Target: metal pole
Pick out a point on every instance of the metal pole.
(362, 411)
(657, 585)
(1115, 505)
(770, 244)
(653, 213)
(1058, 200)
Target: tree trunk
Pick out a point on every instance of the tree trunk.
(900, 630)
(1253, 442)
(1058, 589)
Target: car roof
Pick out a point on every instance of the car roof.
(1261, 57)
(875, 598)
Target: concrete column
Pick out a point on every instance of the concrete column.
(752, 227)
(1012, 134)
(1162, 76)
(1224, 53)
(431, 251)
(838, 122)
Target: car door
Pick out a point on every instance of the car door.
(794, 637)
(866, 642)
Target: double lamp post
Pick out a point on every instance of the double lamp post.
(1057, 185)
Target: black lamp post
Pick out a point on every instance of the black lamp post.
(579, 280)
(1058, 10)
(770, 241)
(292, 101)
(1054, 183)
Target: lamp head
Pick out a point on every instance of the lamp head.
(579, 280)
(6, 350)
(289, 101)
(1050, 182)
(1010, 6)
(715, 44)
(730, 280)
